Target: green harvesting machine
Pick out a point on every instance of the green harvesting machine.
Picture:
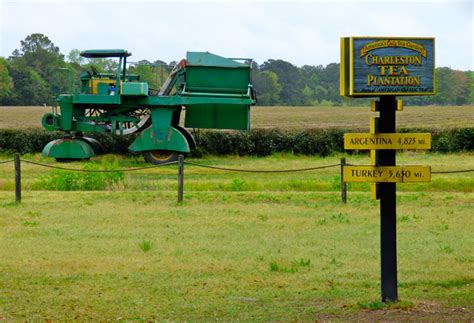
(215, 92)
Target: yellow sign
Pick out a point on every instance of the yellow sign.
(363, 141)
(387, 174)
(376, 66)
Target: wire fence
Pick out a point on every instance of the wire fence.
(295, 170)
(453, 171)
(6, 161)
(180, 162)
(262, 170)
(98, 170)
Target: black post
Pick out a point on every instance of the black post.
(343, 182)
(180, 178)
(17, 164)
(388, 212)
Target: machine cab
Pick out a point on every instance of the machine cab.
(120, 83)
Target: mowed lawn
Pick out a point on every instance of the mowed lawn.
(240, 247)
(297, 117)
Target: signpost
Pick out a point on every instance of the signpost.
(386, 67)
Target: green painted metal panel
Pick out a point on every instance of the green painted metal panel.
(208, 59)
(161, 122)
(96, 99)
(187, 100)
(212, 79)
(135, 88)
(66, 108)
(68, 149)
(51, 121)
(215, 76)
(102, 88)
(86, 126)
(218, 116)
(174, 141)
(206, 72)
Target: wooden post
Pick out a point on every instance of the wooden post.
(343, 182)
(180, 178)
(388, 206)
(17, 164)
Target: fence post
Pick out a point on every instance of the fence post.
(343, 182)
(180, 178)
(17, 164)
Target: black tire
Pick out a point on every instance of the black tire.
(69, 160)
(189, 138)
(96, 146)
(158, 157)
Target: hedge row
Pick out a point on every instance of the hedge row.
(254, 142)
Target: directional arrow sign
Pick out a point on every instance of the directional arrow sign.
(363, 141)
(387, 174)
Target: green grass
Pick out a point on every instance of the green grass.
(235, 255)
(202, 179)
(240, 246)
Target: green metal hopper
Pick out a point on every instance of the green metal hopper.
(209, 75)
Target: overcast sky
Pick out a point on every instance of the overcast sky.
(300, 32)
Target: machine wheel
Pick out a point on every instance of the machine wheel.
(158, 157)
(188, 136)
(144, 115)
(96, 146)
(69, 160)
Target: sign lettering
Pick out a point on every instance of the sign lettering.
(362, 141)
(387, 174)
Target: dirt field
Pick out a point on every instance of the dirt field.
(358, 117)
(297, 117)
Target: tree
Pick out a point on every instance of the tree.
(38, 52)
(320, 93)
(310, 75)
(307, 96)
(470, 76)
(6, 82)
(102, 65)
(267, 87)
(29, 87)
(74, 57)
(35, 67)
(461, 88)
(329, 79)
(289, 77)
(147, 73)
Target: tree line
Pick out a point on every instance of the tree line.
(37, 72)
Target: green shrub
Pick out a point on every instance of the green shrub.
(462, 139)
(25, 140)
(256, 142)
(65, 180)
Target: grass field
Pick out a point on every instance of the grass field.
(297, 117)
(240, 247)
